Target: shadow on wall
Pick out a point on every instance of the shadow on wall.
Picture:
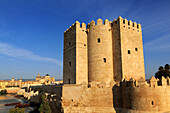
(117, 98)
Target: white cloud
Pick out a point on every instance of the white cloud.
(10, 50)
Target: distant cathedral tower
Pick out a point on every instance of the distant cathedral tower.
(103, 52)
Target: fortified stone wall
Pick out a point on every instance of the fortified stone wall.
(128, 96)
(88, 98)
(143, 96)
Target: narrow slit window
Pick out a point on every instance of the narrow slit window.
(69, 63)
(98, 40)
(128, 51)
(69, 43)
(136, 49)
(68, 81)
(123, 21)
(104, 60)
(152, 103)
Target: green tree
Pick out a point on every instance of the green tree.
(167, 66)
(166, 71)
(44, 107)
(163, 72)
(17, 110)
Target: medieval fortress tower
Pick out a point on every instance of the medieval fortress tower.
(104, 71)
(103, 52)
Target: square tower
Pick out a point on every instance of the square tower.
(75, 68)
(127, 50)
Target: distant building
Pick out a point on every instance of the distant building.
(45, 79)
(40, 80)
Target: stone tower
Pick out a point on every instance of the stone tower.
(103, 52)
(75, 69)
(100, 54)
(127, 50)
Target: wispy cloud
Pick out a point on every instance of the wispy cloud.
(157, 27)
(157, 40)
(10, 50)
(161, 43)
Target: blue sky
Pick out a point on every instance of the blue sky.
(31, 32)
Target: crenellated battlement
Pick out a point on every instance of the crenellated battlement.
(99, 22)
(127, 23)
(118, 21)
(78, 25)
(152, 82)
(73, 25)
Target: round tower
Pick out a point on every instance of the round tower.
(100, 55)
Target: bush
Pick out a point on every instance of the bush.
(17, 110)
(2, 92)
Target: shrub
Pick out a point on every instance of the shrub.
(17, 110)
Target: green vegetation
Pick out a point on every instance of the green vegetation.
(3, 92)
(163, 72)
(17, 110)
(44, 107)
